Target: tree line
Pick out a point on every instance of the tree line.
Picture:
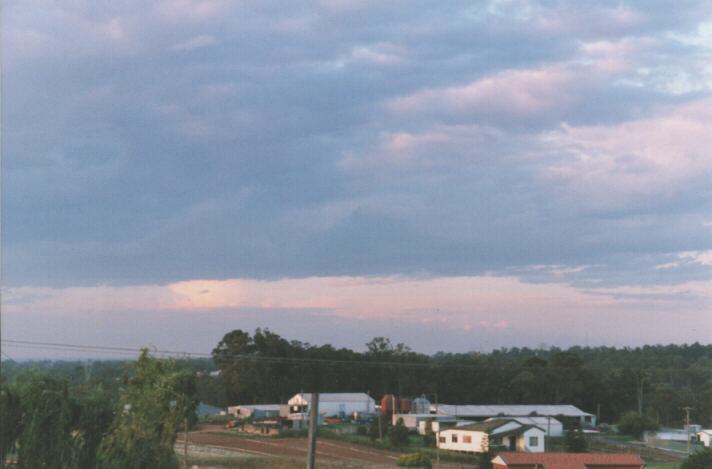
(654, 381)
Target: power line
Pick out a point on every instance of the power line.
(243, 356)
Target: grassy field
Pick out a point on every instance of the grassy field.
(663, 465)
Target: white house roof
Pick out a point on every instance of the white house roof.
(508, 410)
(305, 398)
(538, 421)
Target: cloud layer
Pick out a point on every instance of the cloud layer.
(562, 149)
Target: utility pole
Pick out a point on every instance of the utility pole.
(313, 425)
(2, 462)
(437, 435)
(185, 442)
(687, 424)
(548, 432)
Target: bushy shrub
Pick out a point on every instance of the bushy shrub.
(699, 460)
(635, 425)
(414, 460)
(362, 430)
(399, 434)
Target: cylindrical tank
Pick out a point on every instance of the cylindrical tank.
(403, 406)
(389, 403)
(420, 405)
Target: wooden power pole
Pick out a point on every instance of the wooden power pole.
(313, 425)
(687, 424)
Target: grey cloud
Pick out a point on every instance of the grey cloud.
(129, 162)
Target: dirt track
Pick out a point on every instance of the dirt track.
(331, 450)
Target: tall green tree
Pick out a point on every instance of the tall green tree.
(10, 419)
(96, 409)
(48, 419)
(156, 397)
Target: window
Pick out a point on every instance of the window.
(533, 441)
(443, 439)
(467, 439)
(454, 437)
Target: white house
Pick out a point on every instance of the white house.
(478, 412)
(340, 404)
(501, 433)
(705, 436)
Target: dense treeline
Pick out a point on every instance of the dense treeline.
(654, 380)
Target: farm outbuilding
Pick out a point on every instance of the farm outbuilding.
(338, 404)
(257, 411)
(480, 412)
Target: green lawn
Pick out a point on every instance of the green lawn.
(662, 465)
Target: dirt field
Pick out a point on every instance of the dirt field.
(327, 450)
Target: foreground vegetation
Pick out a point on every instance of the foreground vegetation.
(47, 422)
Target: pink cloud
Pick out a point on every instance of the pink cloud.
(490, 302)
(514, 92)
(653, 156)
(192, 10)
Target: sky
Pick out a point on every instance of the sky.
(456, 176)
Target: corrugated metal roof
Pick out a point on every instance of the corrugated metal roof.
(336, 396)
(538, 421)
(487, 426)
(516, 431)
(573, 460)
(508, 410)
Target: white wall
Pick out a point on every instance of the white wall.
(524, 442)
(704, 438)
(478, 443)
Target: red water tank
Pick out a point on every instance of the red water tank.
(390, 405)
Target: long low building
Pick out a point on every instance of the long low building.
(339, 404)
(255, 411)
(481, 412)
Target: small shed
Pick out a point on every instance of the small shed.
(705, 436)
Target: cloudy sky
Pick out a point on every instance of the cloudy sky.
(453, 175)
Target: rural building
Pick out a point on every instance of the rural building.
(339, 404)
(258, 411)
(481, 436)
(418, 421)
(704, 436)
(509, 460)
(481, 412)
